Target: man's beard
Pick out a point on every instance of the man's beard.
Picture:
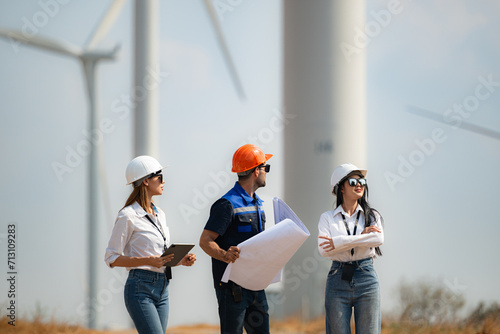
(261, 183)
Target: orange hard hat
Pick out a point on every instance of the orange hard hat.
(247, 157)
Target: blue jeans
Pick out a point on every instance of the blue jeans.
(146, 299)
(362, 293)
(251, 312)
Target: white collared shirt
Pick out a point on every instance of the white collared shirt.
(332, 225)
(134, 235)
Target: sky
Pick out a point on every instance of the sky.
(433, 182)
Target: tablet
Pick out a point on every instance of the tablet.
(179, 250)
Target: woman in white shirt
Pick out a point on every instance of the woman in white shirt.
(139, 238)
(350, 235)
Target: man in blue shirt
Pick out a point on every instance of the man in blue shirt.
(234, 218)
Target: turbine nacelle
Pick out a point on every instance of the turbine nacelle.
(61, 47)
(100, 55)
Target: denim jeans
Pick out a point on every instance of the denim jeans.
(251, 312)
(362, 293)
(146, 299)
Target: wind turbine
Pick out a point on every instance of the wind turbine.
(225, 49)
(463, 125)
(146, 57)
(89, 58)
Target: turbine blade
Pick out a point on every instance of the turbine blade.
(225, 50)
(42, 42)
(105, 24)
(463, 125)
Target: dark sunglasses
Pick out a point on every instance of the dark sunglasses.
(157, 174)
(267, 168)
(353, 182)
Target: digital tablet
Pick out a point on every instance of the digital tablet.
(179, 250)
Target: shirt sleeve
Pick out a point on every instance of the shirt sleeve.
(346, 242)
(122, 231)
(221, 216)
(324, 230)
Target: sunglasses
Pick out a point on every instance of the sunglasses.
(157, 174)
(267, 168)
(353, 182)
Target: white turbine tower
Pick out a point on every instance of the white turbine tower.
(146, 39)
(326, 93)
(89, 58)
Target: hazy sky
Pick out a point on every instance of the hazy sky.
(434, 183)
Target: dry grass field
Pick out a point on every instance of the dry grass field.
(290, 326)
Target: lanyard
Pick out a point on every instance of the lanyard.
(355, 224)
(163, 236)
(355, 227)
(168, 270)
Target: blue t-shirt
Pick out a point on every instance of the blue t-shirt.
(236, 217)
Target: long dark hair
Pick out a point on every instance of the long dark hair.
(369, 212)
(139, 195)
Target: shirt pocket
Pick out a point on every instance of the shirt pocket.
(244, 223)
(263, 219)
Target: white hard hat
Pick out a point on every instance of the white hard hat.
(140, 167)
(342, 171)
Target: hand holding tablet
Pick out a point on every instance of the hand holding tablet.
(179, 250)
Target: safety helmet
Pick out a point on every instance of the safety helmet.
(342, 171)
(247, 157)
(141, 167)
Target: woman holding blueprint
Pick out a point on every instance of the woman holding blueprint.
(350, 235)
(139, 238)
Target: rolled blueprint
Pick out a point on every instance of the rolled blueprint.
(263, 256)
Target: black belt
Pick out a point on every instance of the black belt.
(356, 262)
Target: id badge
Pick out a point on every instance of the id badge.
(348, 272)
